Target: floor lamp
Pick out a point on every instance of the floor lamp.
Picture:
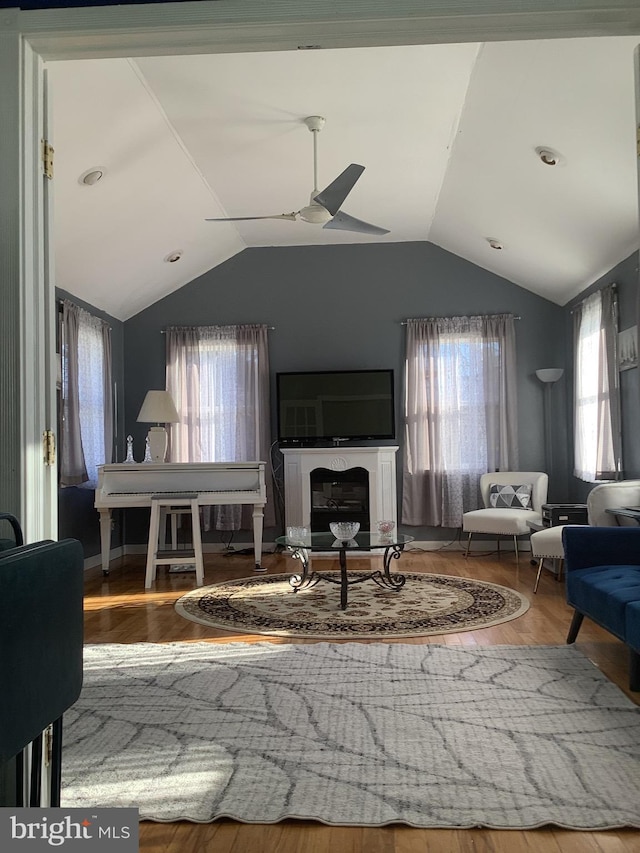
(548, 376)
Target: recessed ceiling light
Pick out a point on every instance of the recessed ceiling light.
(173, 257)
(91, 177)
(548, 156)
(495, 244)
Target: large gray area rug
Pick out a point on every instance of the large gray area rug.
(354, 734)
(426, 604)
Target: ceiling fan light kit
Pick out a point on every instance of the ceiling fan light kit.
(314, 213)
(324, 207)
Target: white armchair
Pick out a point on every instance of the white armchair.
(608, 496)
(503, 519)
(547, 543)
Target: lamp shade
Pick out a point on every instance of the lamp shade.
(158, 408)
(549, 374)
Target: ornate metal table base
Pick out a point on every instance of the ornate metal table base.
(383, 578)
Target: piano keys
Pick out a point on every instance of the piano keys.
(131, 484)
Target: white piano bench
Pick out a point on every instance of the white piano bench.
(160, 504)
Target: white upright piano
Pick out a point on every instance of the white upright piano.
(125, 484)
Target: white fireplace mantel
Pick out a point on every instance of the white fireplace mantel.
(379, 462)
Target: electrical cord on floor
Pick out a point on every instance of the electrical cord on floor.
(227, 545)
(248, 551)
(231, 551)
(276, 475)
(443, 547)
(459, 546)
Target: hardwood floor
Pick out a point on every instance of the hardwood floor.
(119, 610)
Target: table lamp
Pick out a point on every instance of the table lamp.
(158, 408)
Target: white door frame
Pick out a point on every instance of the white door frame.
(28, 484)
(27, 360)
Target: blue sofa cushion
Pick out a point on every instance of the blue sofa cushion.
(603, 593)
(632, 635)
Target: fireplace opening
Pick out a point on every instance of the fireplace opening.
(339, 496)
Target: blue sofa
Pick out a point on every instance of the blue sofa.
(602, 577)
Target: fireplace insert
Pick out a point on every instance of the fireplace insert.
(339, 496)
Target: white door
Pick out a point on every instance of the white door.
(37, 351)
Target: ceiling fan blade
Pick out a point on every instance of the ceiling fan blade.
(343, 222)
(291, 216)
(332, 196)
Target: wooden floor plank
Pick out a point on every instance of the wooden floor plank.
(202, 837)
(158, 837)
(613, 842)
(119, 610)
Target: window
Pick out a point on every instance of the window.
(222, 400)
(86, 411)
(462, 427)
(596, 394)
(218, 377)
(460, 413)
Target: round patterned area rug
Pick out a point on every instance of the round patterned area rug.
(426, 604)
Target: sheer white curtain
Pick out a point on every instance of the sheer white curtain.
(460, 413)
(218, 377)
(597, 444)
(87, 402)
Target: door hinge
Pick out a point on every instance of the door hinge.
(638, 141)
(47, 159)
(48, 745)
(49, 447)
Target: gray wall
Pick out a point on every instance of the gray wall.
(77, 517)
(341, 307)
(625, 276)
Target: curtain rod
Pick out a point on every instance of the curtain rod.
(60, 310)
(613, 286)
(164, 331)
(404, 322)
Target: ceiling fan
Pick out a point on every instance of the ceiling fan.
(324, 207)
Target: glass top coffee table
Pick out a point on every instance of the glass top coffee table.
(364, 542)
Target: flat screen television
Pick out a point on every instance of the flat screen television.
(317, 406)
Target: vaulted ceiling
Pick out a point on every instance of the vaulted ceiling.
(447, 134)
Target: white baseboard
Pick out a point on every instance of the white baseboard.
(96, 561)
(476, 545)
(418, 544)
(207, 548)
(126, 550)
